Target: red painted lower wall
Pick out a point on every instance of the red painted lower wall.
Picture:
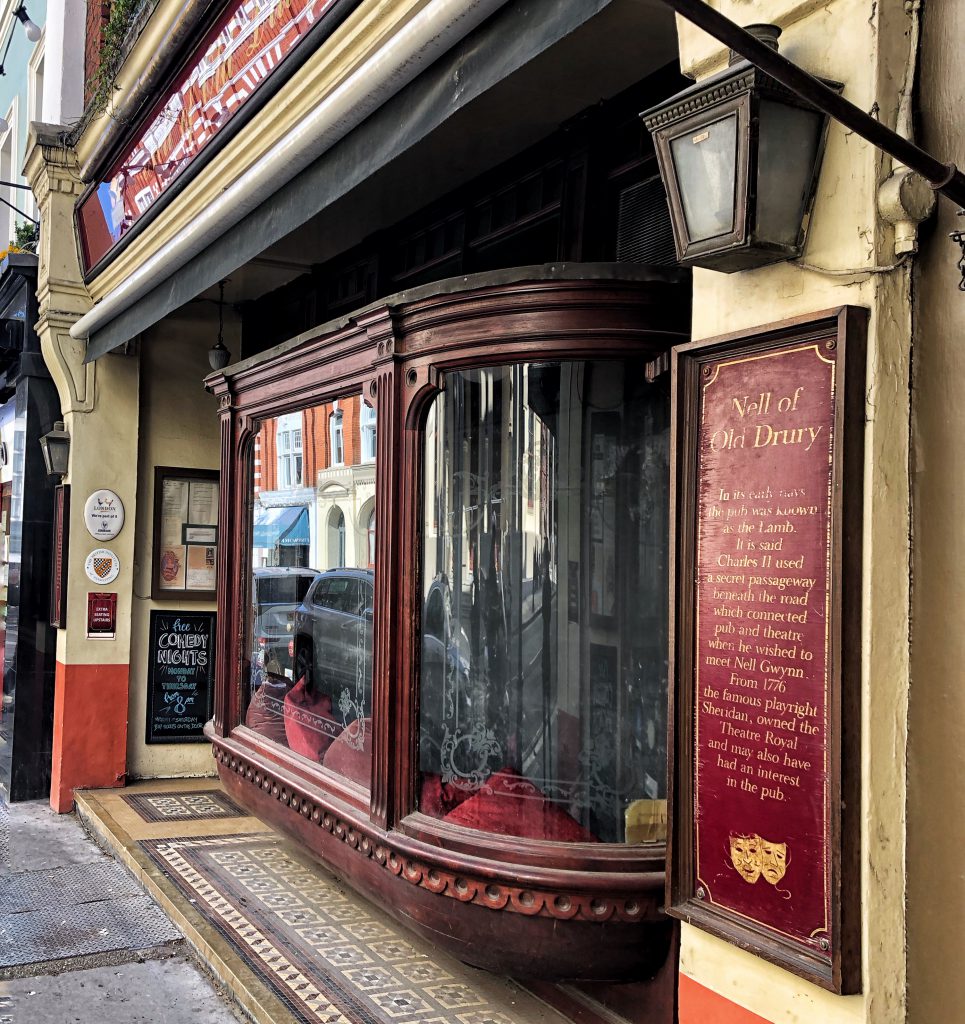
(90, 730)
(700, 1005)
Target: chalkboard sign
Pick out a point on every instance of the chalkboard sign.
(181, 676)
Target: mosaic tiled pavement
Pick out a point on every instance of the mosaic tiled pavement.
(331, 958)
(291, 941)
(183, 806)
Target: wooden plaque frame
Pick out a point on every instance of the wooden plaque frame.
(60, 536)
(844, 329)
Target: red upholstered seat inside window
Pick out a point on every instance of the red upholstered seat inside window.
(350, 758)
(511, 805)
(264, 713)
(309, 725)
(439, 798)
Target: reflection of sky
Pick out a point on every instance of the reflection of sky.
(112, 217)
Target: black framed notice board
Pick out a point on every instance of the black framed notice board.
(181, 676)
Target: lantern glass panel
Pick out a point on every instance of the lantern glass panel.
(705, 162)
(789, 142)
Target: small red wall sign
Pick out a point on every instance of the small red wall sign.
(101, 616)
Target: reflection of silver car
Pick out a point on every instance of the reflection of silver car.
(333, 631)
(277, 593)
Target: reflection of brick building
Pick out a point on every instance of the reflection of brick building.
(244, 48)
(328, 450)
(315, 443)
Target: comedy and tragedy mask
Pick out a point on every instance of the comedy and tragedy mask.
(753, 857)
(773, 861)
(745, 855)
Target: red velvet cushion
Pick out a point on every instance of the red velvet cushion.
(438, 798)
(264, 713)
(349, 758)
(309, 725)
(510, 805)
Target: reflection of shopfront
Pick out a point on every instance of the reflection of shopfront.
(281, 535)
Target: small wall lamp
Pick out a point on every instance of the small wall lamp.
(739, 155)
(56, 448)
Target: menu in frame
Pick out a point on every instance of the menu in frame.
(185, 533)
(760, 635)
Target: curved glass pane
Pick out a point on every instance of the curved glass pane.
(544, 585)
(309, 681)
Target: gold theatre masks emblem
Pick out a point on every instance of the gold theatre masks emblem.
(753, 856)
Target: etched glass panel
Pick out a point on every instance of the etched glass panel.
(309, 680)
(543, 682)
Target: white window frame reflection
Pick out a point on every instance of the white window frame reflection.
(367, 428)
(337, 438)
(289, 442)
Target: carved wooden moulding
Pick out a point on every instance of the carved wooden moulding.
(444, 664)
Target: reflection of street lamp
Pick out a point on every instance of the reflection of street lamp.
(56, 448)
(739, 155)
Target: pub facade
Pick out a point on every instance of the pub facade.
(530, 538)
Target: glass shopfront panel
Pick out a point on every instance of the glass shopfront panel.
(309, 684)
(543, 684)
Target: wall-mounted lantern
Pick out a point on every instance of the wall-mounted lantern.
(739, 155)
(56, 448)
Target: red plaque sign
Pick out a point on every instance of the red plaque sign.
(101, 616)
(764, 440)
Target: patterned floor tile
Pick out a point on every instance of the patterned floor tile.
(326, 953)
(184, 806)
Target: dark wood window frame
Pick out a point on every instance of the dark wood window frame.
(440, 877)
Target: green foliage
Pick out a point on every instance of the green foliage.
(123, 15)
(26, 234)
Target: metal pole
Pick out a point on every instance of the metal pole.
(944, 178)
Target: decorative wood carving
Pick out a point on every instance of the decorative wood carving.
(558, 902)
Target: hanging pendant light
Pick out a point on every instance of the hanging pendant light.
(218, 354)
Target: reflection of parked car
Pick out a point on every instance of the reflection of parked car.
(333, 632)
(277, 593)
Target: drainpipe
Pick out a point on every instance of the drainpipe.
(905, 199)
(434, 30)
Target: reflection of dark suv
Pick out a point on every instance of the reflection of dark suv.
(278, 591)
(333, 630)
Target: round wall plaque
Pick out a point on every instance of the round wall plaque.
(102, 566)
(104, 515)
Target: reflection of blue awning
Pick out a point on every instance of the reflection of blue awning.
(287, 526)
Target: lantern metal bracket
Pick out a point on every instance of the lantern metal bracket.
(944, 178)
(958, 237)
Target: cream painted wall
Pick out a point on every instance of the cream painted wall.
(936, 770)
(862, 44)
(179, 427)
